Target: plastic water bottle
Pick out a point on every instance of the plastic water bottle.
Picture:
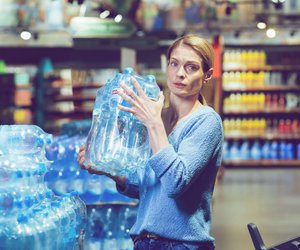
(255, 151)
(245, 151)
(23, 235)
(234, 152)
(94, 188)
(282, 151)
(274, 150)
(127, 217)
(266, 151)
(46, 229)
(110, 230)
(117, 142)
(81, 212)
(23, 139)
(63, 222)
(289, 151)
(95, 230)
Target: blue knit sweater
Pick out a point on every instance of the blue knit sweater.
(176, 188)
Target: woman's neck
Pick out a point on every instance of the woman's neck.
(183, 107)
(179, 109)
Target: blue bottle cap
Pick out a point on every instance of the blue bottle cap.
(22, 218)
(150, 78)
(128, 71)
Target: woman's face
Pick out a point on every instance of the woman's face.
(185, 74)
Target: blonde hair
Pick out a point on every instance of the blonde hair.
(202, 47)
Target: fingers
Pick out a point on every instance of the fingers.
(161, 98)
(138, 87)
(127, 94)
(81, 157)
(127, 109)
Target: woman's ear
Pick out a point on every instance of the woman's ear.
(208, 75)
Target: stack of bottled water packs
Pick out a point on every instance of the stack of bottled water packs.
(31, 216)
(118, 142)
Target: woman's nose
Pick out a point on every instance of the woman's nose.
(180, 72)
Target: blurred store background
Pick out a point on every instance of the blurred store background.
(55, 54)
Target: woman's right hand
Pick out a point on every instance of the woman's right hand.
(120, 180)
(81, 159)
(81, 156)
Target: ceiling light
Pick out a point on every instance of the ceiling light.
(104, 14)
(271, 33)
(118, 18)
(261, 25)
(25, 35)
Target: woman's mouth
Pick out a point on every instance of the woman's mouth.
(179, 85)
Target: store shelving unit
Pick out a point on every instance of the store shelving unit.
(261, 106)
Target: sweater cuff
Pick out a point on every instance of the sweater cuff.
(130, 190)
(162, 160)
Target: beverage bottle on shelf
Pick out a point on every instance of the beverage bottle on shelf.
(117, 137)
(298, 151)
(255, 151)
(282, 151)
(265, 151)
(234, 151)
(245, 151)
(281, 126)
(281, 101)
(274, 150)
(274, 102)
(295, 126)
(289, 151)
(23, 139)
(226, 154)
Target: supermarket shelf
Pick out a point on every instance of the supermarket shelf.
(81, 98)
(78, 85)
(274, 88)
(278, 136)
(261, 163)
(256, 112)
(266, 68)
(88, 86)
(78, 113)
(113, 203)
(24, 86)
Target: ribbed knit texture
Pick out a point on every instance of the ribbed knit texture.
(176, 189)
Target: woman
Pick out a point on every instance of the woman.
(175, 192)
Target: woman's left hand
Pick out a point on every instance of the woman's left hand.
(145, 109)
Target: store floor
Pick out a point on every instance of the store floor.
(270, 198)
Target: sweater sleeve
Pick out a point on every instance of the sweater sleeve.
(198, 145)
(131, 188)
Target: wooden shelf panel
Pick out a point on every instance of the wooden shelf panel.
(266, 68)
(278, 88)
(264, 137)
(253, 112)
(262, 163)
(88, 86)
(81, 98)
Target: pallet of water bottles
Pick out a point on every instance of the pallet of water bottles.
(31, 215)
(65, 175)
(108, 226)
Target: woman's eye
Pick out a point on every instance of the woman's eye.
(191, 68)
(173, 64)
